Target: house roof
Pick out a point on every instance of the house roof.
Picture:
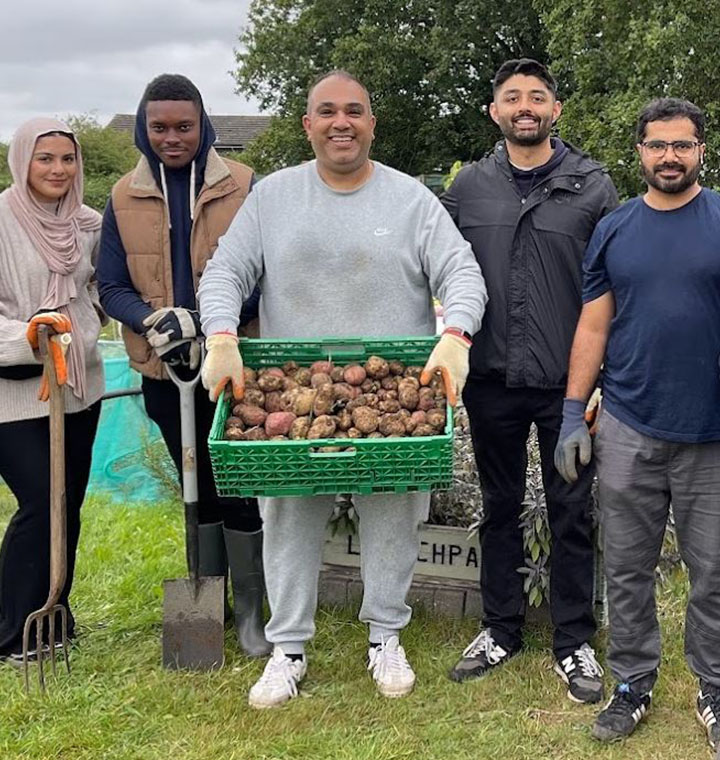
(233, 132)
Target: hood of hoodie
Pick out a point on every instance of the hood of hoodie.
(207, 140)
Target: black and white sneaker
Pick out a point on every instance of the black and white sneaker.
(708, 712)
(621, 714)
(481, 655)
(583, 675)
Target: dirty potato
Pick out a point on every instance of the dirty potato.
(365, 419)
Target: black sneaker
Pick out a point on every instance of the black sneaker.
(481, 655)
(621, 714)
(583, 675)
(16, 658)
(708, 712)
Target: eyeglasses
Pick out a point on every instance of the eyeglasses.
(681, 148)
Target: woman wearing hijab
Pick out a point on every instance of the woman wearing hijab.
(48, 241)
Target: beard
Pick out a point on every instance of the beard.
(543, 126)
(688, 176)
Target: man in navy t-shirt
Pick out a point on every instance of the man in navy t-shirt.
(651, 312)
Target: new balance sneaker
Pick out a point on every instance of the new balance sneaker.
(390, 669)
(708, 712)
(279, 681)
(583, 675)
(621, 714)
(480, 655)
(16, 658)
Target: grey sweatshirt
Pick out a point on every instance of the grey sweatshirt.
(364, 263)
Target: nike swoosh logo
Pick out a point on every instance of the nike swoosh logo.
(380, 231)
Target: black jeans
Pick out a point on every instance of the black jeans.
(162, 404)
(25, 552)
(500, 420)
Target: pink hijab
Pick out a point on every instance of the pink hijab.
(55, 236)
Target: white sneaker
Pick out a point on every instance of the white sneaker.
(390, 669)
(279, 681)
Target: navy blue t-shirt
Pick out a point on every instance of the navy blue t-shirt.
(661, 373)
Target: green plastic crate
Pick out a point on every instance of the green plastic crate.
(297, 468)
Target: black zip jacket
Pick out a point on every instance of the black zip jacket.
(530, 250)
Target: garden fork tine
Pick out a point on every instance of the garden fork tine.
(58, 532)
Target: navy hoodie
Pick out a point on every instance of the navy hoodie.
(117, 293)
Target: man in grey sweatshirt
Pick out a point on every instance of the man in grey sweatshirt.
(340, 246)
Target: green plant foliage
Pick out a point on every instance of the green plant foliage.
(428, 65)
(613, 56)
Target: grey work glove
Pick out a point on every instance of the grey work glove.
(574, 440)
(171, 324)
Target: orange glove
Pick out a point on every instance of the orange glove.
(58, 324)
(223, 364)
(450, 356)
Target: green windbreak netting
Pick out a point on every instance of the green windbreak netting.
(129, 458)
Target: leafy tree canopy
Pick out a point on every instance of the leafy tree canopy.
(428, 65)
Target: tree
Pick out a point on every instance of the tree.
(107, 155)
(428, 65)
(616, 55)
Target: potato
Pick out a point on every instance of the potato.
(415, 419)
(438, 384)
(324, 401)
(424, 430)
(274, 371)
(254, 396)
(255, 434)
(396, 367)
(389, 383)
(390, 405)
(322, 427)
(321, 366)
(436, 418)
(302, 376)
(290, 368)
(251, 415)
(343, 392)
(319, 379)
(391, 424)
(409, 382)
(289, 384)
(303, 402)
(375, 434)
(365, 419)
(340, 434)
(413, 371)
(273, 402)
(353, 432)
(299, 428)
(250, 376)
(408, 397)
(354, 374)
(337, 375)
(344, 420)
(279, 423)
(426, 400)
(278, 438)
(370, 386)
(377, 368)
(234, 422)
(234, 434)
(268, 382)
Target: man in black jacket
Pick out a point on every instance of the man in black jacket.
(528, 209)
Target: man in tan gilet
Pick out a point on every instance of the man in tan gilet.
(160, 228)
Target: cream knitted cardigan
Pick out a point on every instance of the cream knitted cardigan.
(24, 280)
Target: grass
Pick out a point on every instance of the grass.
(120, 704)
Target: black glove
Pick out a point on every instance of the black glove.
(574, 440)
(184, 353)
(171, 324)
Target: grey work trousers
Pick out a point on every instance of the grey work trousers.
(638, 478)
(294, 533)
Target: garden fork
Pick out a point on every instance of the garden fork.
(46, 615)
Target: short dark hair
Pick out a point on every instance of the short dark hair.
(343, 74)
(528, 67)
(172, 87)
(666, 109)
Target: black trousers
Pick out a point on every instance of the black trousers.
(25, 551)
(162, 404)
(500, 420)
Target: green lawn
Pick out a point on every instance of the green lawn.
(120, 704)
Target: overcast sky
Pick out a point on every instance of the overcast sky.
(96, 56)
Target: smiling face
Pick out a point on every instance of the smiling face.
(525, 109)
(52, 168)
(668, 172)
(340, 126)
(173, 128)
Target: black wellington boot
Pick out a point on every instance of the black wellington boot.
(213, 558)
(244, 552)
